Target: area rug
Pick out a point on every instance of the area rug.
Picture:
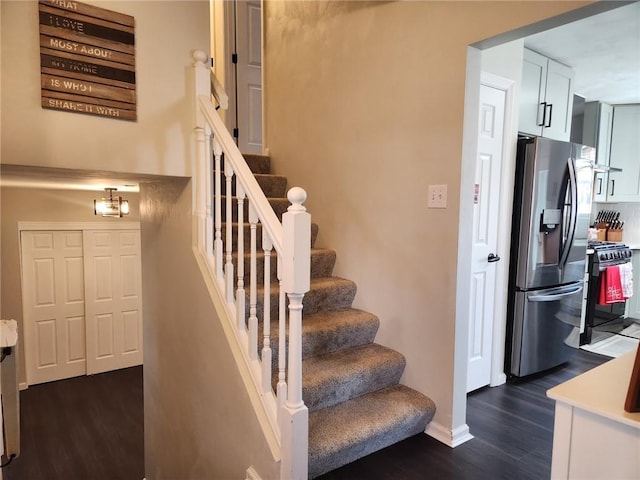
(616, 345)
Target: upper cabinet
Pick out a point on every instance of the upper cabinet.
(546, 97)
(597, 126)
(624, 186)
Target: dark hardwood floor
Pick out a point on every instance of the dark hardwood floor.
(91, 428)
(512, 427)
(83, 428)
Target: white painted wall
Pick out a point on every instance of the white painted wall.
(159, 142)
(199, 422)
(365, 108)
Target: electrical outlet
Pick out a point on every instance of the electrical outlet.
(437, 196)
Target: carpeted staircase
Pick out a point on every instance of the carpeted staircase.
(350, 384)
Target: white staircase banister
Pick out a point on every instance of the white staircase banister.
(266, 214)
(218, 92)
(217, 155)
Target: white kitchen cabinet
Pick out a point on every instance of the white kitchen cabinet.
(624, 185)
(596, 132)
(546, 97)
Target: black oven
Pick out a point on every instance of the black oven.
(601, 255)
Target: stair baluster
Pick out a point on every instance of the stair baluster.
(217, 218)
(228, 268)
(266, 327)
(281, 389)
(253, 287)
(208, 221)
(240, 293)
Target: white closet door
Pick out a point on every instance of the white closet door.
(113, 299)
(53, 300)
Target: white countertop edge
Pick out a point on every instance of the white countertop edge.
(601, 391)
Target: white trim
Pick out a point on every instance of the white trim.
(23, 386)
(498, 376)
(252, 474)
(451, 438)
(78, 226)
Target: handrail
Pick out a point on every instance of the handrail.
(241, 169)
(219, 92)
(221, 177)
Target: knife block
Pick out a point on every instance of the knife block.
(602, 234)
(614, 235)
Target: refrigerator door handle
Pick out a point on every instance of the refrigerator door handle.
(573, 185)
(552, 297)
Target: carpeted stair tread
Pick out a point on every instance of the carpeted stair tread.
(322, 263)
(271, 185)
(278, 204)
(343, 433)
(326, 293)
(331, 330)
(258, 163)
(336, 377)
(247, 235)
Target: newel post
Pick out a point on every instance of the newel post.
(296, 225)
(201, 86)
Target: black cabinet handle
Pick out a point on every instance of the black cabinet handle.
(599, 186)
(613, 186)
(493, 258)
(550, 113)
(544, 113)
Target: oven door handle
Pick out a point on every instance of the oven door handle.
(557, 295)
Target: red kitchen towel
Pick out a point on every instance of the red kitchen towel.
(613, 292)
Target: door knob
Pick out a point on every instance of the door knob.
(493, 258)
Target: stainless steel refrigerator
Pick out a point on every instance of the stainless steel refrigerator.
(552, 207)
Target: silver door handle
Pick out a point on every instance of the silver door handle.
(493, 258)
(554, 296)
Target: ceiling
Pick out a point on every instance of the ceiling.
(603, 50)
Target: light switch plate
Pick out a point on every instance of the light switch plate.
(437, 196)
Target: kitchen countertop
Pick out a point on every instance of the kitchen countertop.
(602, 390)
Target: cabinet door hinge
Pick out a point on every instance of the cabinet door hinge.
(234, 58)
(235, 133)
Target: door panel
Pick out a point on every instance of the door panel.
(114, 303)
(485, 229)
(249, 75)
(53, 300)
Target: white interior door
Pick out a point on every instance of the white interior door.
(53, 302)
(113, 299)
(485, 233)
(249, 75)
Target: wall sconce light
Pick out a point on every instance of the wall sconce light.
(112, 206)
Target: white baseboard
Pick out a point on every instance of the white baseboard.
(252, 474)
(451, 438)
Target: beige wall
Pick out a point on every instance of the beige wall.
(39, 205)
(364, 108)
(199, 423)
(158, 143)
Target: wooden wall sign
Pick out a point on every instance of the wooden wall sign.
(87, 59)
